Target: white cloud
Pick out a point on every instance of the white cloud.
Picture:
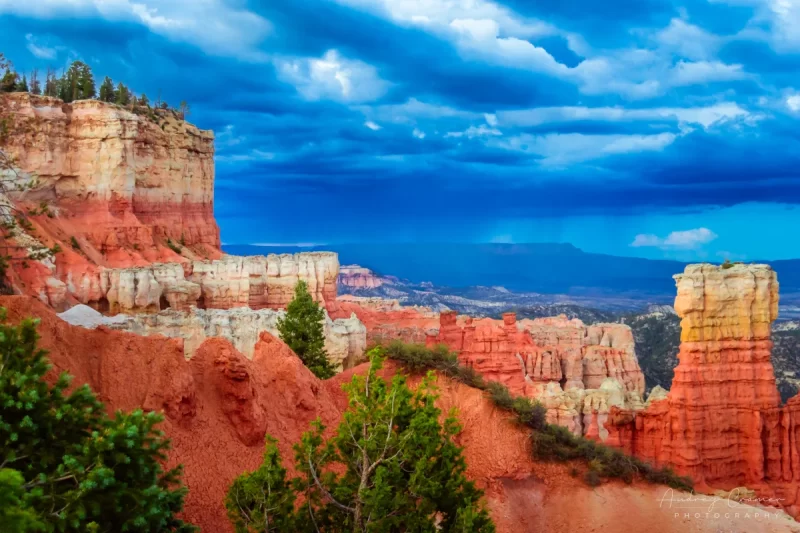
(684, 240)
(371, 125)
(688, 40)
(700, 72)
(563, 149)
(332, 77)
(490, 119)
(793, 102)
(214, 26)
(418, 133)
(39, 49)
(480, 131)
(413, 111)
(703, 116)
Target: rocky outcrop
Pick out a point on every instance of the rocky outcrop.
(358, 277)
(261, 282)
(579, 372)
(722, 422)
(386, 320)
(345, 338)
(124, 183)
(257, 282)
(219, 405)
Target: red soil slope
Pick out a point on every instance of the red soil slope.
(219, 405)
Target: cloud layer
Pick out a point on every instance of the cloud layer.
(464, 115)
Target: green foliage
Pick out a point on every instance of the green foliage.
(391, 466)
(8, 83)
(77, 83)
(302, 330)
(550, 442)
(69, 467)
(107, 93)
(22, 86)
(75, 244)
(122, 96)
(727, 264)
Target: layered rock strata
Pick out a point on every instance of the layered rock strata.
(358, 277)
(722, 421)
(578, 372)
(219, 405)
(345, 338)
(123, 182)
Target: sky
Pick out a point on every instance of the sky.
(652, 128)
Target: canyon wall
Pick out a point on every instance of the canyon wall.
(345, 338)
(218, 407)
(125, 183)
(358, 277)
(578, 372)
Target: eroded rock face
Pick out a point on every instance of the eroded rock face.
(257, 282)
(358, 277)
(261, 282)
(722, 422)
(121, 181)
(578, 372)
(345, 338)
(386, 320)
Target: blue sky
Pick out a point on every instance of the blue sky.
(655, 128)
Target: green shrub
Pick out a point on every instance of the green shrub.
(74, 242)
(549, 442)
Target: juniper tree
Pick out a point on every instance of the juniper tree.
(302, 330)
(391, 466)
(68, 466)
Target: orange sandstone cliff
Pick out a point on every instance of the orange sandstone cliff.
(722, 421)
(219, 405)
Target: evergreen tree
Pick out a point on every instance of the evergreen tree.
(86, 82)
(107, 90)
(36, 87)
(51, 84)
(122, 95)
(391, 466)
(8, 84)
(67, 465)
(302, 330)
(22, 86)
(143, 101)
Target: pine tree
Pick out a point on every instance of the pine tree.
(143, 101)
(68, 465)
(122, 95)
(391, 466)
(22, 86)
(8, 84)
(36, 87)
(107, 90)
(302, 330)
(86, 82)
(51, 85)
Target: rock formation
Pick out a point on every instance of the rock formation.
(386, 320)
(722, 422)
(358, 277)
(578, 372)
(121, 182)
(219, 406)
(345, 338)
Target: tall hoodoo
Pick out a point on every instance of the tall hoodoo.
(722, 422)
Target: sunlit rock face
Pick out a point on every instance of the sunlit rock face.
(124, 182)
(578, 372)
(345, 338)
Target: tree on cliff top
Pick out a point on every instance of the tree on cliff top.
(67, 465)
(302, 330)
(391, 466)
